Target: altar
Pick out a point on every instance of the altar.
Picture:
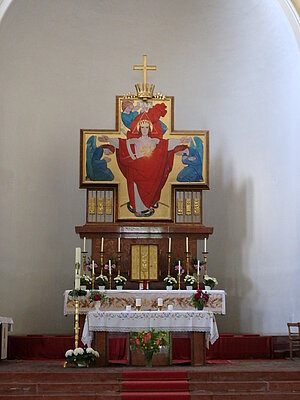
(6, 325)
(201, 324)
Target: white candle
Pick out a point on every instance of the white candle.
(170, 307)
(109, 267)
(179, 268)
(159, 302)
(119, 245)
(84, 244)
(187, 244)
(102, 244)
(198, 268)
(204, 246)
(93, 267)
(77, 281)
(128, 308)
(169, 245)
(77, 255)
(138, 302)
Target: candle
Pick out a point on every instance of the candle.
(102, 244)
(109, 267)
(198, 268)
(93, 267)
(169, 245)
(77, 255)
(128, 308)
(138, 302)
(84, 244)
(179, 268)
(159, 302)
(187, 244)
(170, 307)
(77, 280)
(119, 245)
(205, 245)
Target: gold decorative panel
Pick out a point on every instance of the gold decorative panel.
(144, 262)
(188, 206)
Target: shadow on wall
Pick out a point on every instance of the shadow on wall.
(230, 211)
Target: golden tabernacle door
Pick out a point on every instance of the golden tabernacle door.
(144, 262)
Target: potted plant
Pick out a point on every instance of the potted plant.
(77, 293)
(97, 298)
(80, 357)
(209, 282)
(199, 299)
(120, 281)
(101, 281)
(149, 342)
(85, 282)
(189, 280)
(170, 282)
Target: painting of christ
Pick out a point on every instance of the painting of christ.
(143, 157)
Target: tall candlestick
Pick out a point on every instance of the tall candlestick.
(102, 244)
(84, 244)
(187, 244)
(198, 267)
(205, 246)
(179, 268)
(169, 245)
(93, 267)
(119, 245)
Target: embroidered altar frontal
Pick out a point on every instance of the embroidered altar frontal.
(117, 300)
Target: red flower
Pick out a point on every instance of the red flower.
(197, 296)
(97, 297)
(158, 342)
(137, 341)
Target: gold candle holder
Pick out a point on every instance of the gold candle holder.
(138, 304)
(198, 280)
(169, 263)
(101, 262)
(93, 280)
(84, 253)
(119, 262)
(205, 253)
(76, 325)
(159, 308)
(179, 277)
(187, 258)
(109, 279)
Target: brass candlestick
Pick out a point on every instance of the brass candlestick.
(205, 253)
(101, 262)
(169, 263)
(187, 257)
(76, 325)
(179, 275)
(119, 262)
(109, 278)
(198, 280)
(84, 253)
(93, 280)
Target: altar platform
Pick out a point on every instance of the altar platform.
(229, 379)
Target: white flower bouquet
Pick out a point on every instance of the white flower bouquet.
(190, 280)
(120, 280)
(170, 281)
(101, 280)
(80, 357)
(210, 281)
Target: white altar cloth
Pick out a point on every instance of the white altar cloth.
(6, 325)
(118, 299)
(136, 321)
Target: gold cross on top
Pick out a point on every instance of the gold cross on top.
(145, 67)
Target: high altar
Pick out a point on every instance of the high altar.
(144, 184)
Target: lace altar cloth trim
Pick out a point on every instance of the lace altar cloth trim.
(136, 321)
(7, 320)
(117, 300)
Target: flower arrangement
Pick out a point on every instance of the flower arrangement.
(190, 280)
(80, 357)
(199, 299)
(210, 281)
(97, 296)
(178, 268)
(113, 265)
(101, 280)
(89, 265)
(77, 293)
(120, 280)
(85, 280)
(170, 281)
(149, 342)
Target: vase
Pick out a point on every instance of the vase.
(149, 360)
(82, 287)
(97, 305)
(189, 287)
(200, 306)
(119, 287)
(101, 287)
(207, 287)
(82, 364)
(169, 287)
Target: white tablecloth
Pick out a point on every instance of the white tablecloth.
(7, 320)
(136, 321)
(118, 299)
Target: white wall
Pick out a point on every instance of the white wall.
(233, 68)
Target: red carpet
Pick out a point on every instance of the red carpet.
(156, 384)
